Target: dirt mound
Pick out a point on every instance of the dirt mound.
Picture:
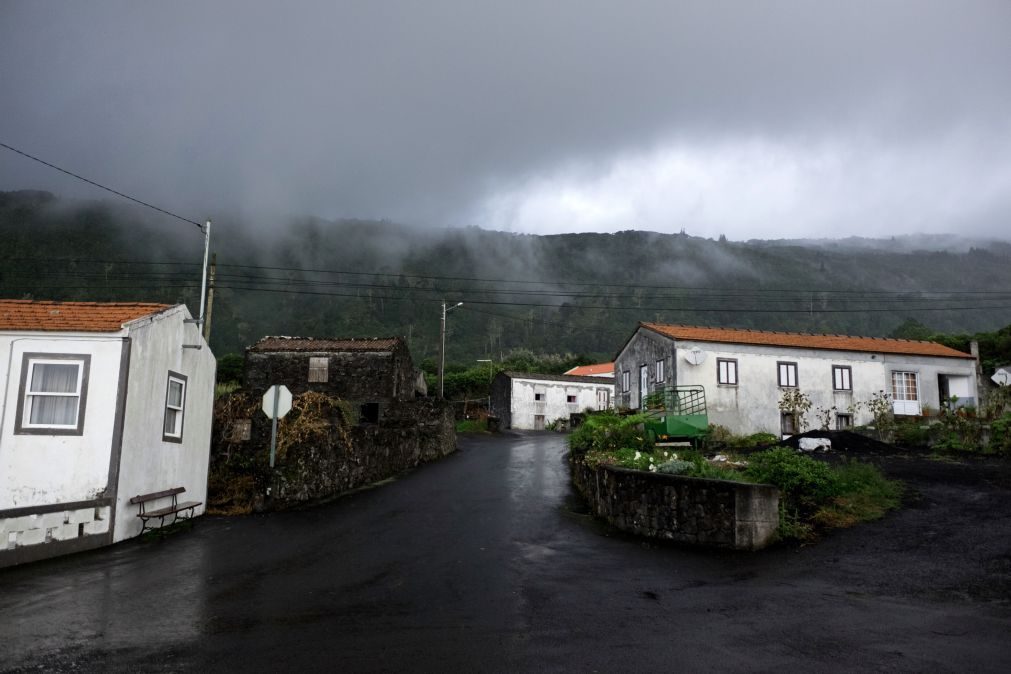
(845, 441)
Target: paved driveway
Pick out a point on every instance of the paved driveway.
(485, 562)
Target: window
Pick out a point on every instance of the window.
(843, 421)
(726, 371)
(905, 393)
(319, 369)
(570, 399)
(787, 374)
(175, 404)
(625, 380)
(904, 386)
(659, 371)
(54, 390)
(842, 378)
(539, 397)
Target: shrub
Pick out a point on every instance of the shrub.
(1000, 434)
(804, 483)
(609, 432)
(675, 467)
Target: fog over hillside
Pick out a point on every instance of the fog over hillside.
(580, 293)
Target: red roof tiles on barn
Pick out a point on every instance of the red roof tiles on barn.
(73, 316)
(805, 341)
(313, 344)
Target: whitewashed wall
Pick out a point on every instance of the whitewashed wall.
(524, 408)
(148, 463)
(45, 469)
(753, 405)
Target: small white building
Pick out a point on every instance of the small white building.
(532, 401)
(745, 372)
(100, 402)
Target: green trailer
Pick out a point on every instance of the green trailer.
(677, 414)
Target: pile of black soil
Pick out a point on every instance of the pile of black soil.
(849, 442)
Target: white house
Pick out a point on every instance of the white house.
(100, 402)
(745, 372)
(531, 401)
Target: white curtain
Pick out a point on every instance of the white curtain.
(54, 410)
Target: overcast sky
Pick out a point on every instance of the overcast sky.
(753, 119)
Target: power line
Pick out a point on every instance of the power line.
(100, 186)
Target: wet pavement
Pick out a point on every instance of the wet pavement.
(486, 561)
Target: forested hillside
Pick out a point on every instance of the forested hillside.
(577, 293)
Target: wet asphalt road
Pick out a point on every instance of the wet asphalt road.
(480, 562)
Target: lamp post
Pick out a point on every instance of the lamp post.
(489, 361)
(442, 345)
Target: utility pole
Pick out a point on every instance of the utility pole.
(203, 281)
(442, 346)
(210, 297)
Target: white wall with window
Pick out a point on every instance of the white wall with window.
(554, 398)
(170, 400)
(56, 416)
(830, 378)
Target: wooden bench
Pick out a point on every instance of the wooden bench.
(175, 510)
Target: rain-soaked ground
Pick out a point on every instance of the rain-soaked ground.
(486, 561)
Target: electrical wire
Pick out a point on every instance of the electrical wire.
(100, 186)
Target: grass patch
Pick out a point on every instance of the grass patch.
(472, 426)
(864, 495)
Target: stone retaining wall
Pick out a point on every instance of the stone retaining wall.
(683, 509)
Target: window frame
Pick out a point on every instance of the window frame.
(847, 372)
(840, 418)
(571, 399)
(28, 361)
(319, 370)
(660, 372)
(791, 366)
(539, 396)
(174, 377)
(720, 372)
(626, 381)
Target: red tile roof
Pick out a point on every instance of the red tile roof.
(73, 316)
(590, 370)
(312, 344)
(804, 341)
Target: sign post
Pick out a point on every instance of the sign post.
(276, 403)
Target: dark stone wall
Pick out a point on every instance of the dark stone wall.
(360, 376)
(683, 509)
(348, 457)
(645, 348)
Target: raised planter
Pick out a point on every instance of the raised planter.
(692, 510)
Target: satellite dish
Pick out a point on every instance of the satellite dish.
(695, 356)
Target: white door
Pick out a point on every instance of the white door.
(905, 393)
(603, 399)
(643, 386)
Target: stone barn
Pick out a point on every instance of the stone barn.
(373, 373)
(359, 416)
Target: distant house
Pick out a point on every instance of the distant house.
(532, 401)
(1002, 376)
(101, 402)
(370, 372)
(745, 372)
(598, 370)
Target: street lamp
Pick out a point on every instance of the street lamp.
(442, 345)
(489, 361)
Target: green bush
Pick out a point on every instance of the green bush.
(675, 467)
(609, 432)
(912, 434)
(804, 483)
(1000, 435)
